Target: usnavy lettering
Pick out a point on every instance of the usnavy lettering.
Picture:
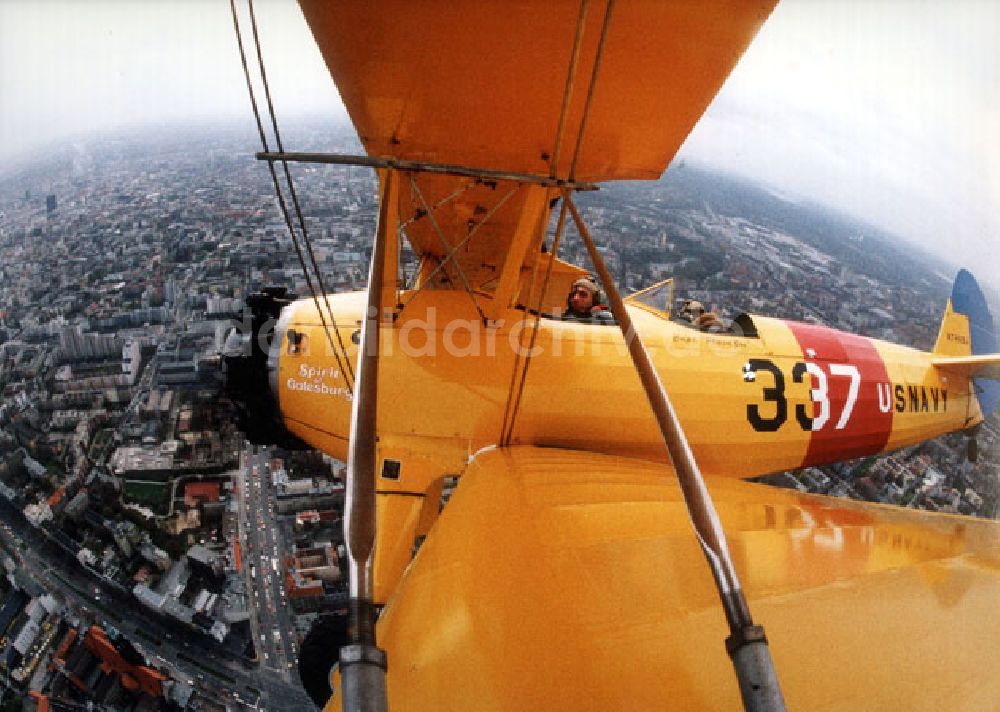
(314, 381)
(917, 399)
(912, 399)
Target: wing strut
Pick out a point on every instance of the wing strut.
(746, 644)
(362, 662)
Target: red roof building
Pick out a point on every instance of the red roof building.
(56, 497)
(198, 492)
(133, 677)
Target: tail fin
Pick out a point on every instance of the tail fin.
(954, 337)
(967, 330)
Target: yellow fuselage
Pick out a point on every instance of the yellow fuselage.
(746, 404)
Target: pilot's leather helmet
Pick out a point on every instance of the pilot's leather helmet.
(587, 283)
(691, 309)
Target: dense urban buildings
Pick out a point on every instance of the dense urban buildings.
(142, 530)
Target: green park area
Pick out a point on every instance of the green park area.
(154, 495)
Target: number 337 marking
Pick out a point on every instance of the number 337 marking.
(820, 395)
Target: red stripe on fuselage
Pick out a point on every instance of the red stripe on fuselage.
(869, 425)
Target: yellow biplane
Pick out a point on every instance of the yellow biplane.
(564, 573)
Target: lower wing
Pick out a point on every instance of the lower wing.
(564, 580)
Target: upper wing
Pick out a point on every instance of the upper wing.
(564, 580)
(482, 83)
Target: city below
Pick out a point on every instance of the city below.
(153, 558)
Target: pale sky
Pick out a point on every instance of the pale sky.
(886, 109)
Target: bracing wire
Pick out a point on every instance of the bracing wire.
(503, 441)
(591, 89)
(417, 214)
(568, 92)
(349, 375)
(560, 227)
(454, 250)
(445, 245)
(295, 200)
(281, 201)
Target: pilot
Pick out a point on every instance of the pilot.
(694, 312)
(584, 303)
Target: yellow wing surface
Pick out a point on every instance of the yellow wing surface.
(561, 580)
(482, 84)
(496, 86)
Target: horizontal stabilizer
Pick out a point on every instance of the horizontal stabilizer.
(983, 366)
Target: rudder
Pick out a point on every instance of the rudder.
(968, 329)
